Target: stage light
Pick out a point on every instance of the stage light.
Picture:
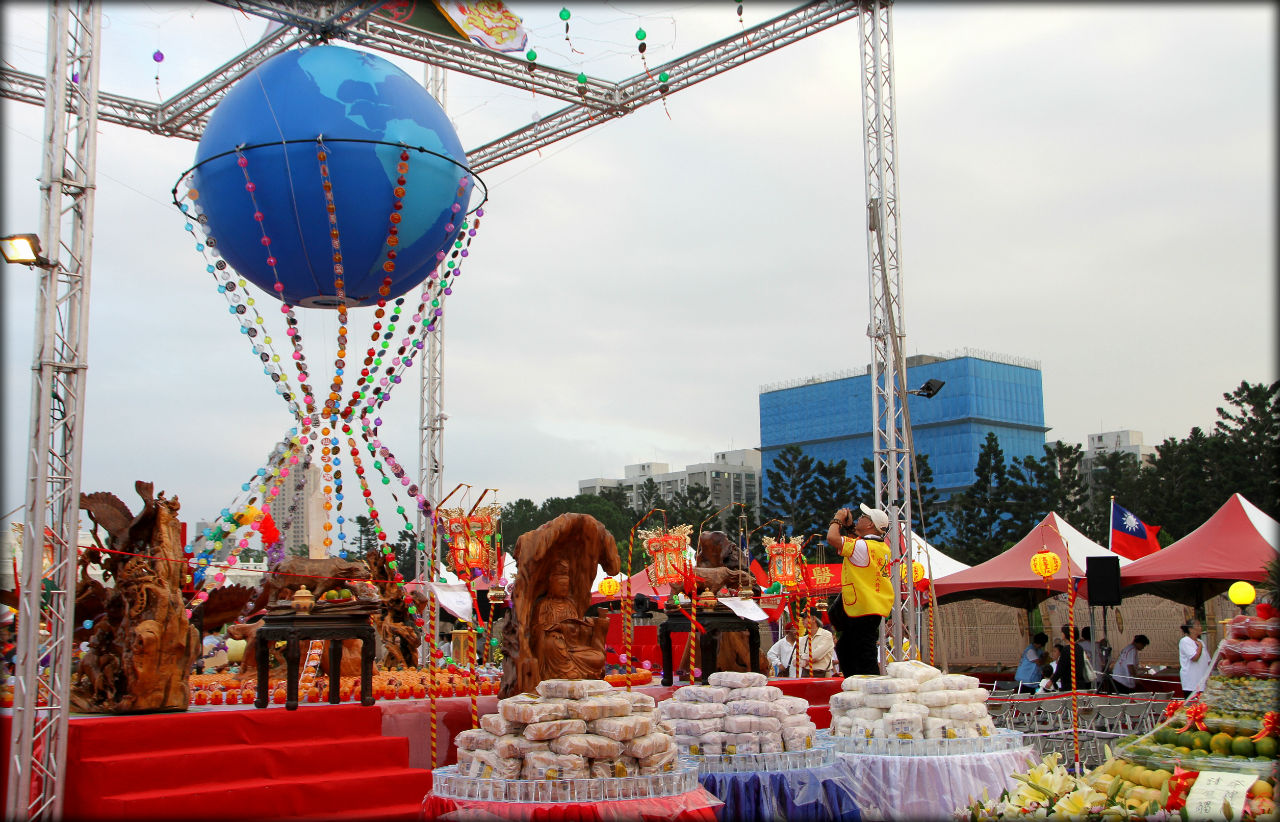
(23, 249)
(930, 388)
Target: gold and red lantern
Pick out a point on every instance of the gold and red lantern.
(668, 554)
(784, 561)
(1045, 563)
(471, 540)
(608, 587)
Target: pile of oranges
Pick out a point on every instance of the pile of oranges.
(231, 689)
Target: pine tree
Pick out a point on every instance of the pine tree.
(979, 515)
(832, 489)
(791, 490)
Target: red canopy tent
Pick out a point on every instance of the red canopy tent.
(639, 585)
(1235, 543)
(1007, 579)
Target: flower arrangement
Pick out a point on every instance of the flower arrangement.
(1049, 791)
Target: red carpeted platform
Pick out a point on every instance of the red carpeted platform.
(320, 762)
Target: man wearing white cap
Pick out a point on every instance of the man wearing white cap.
(866, 595)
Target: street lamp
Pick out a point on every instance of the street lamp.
(23, 249)
(931, 387)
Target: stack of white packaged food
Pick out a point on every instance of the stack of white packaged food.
(571, 729)
(913, 701)
(737, 713)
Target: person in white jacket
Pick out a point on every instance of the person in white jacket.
(816, 650)
(782, 656)
(1193, 658)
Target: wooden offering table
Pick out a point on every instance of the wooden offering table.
(293, 628)
(713, 620)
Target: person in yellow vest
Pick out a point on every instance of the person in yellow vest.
(866, 593)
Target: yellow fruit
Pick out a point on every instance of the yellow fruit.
(1260, 788)
(1163, 777)
(1220, 743)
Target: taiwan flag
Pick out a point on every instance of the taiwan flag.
(1131, 537)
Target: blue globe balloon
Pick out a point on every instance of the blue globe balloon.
(367, 111)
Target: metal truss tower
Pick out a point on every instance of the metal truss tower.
(890, 420)
(38, 752)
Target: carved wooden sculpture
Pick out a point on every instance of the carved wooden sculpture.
(544, 635)
(142, 647)
(720, 566)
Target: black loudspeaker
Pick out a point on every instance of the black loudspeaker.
(1103, 575)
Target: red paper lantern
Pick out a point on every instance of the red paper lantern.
(1045, 563)
(784, 561)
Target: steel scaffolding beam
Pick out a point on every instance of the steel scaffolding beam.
(890, 424)
(38, 751)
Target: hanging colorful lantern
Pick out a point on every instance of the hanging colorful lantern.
(470, 540)
(608, 587)
(784, 561)
(668, 554)
(1045, 563)
(917, 572)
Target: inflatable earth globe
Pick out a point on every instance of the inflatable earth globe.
(395, 169)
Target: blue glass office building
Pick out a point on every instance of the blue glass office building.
(830, 418)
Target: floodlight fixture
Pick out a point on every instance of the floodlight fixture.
(23, 249)
(930, 387)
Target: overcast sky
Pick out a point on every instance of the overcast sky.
(1088, 185)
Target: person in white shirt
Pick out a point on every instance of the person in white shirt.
(815, 652)
(1193, 658)
(1126, 667)
(782, 656)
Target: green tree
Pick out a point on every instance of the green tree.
(407, 554)
(648, 497)
(691, 506)
(791, 490)
(1052, 482)
(1182, 489)
(832, 489)
(366, 535)
(1250, 428)
(619, 498)
(518, 516)
(1117, 474)
(978, 515)
(924, 498)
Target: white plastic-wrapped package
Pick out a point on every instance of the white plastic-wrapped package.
(889, 685)
(936, 726)
(741, 743)
(966, 695)
(488, 765)
(737, 679)
(844, 700)
(769, 742)
(551, 765)
(572, 688)
(953, 682)
(938, 683)
(760, 693)
(648, 745)
(867, 714)
(670, 709)
(660, 762)
(792, 704)
(886, 701)
(621, 728)
(798, 738)
(857, 682)
(539, 731)
(516, 709)
(614, 768)
(909, 708)
(841, 726)
(754, 707)
(985, 726)
(598, 707)
(464, 760)
(701, 693)
(796, 720)
(711, 744)
(666, 726)
(912, 669)
(747, 723)
(592, 746)
(475, 739)
(902, 726)
(866, 728)
(937, 699)
(640, 702)
(515, 746)
(698, 727)
(968, 711)
(496, 725)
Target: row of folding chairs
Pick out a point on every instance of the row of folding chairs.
(1101, 719)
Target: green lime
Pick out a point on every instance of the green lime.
(1242, 746)
(1220, 743)
(1198, 752)
(1265, 747)
(1200, 740)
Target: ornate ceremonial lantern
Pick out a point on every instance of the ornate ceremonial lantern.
(1045, 563)
(784, 561)
(668, 554)
(471, 540)
(917, 572)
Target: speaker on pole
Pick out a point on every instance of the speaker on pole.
(1103, 576)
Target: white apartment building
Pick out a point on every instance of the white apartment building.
(731, 476)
